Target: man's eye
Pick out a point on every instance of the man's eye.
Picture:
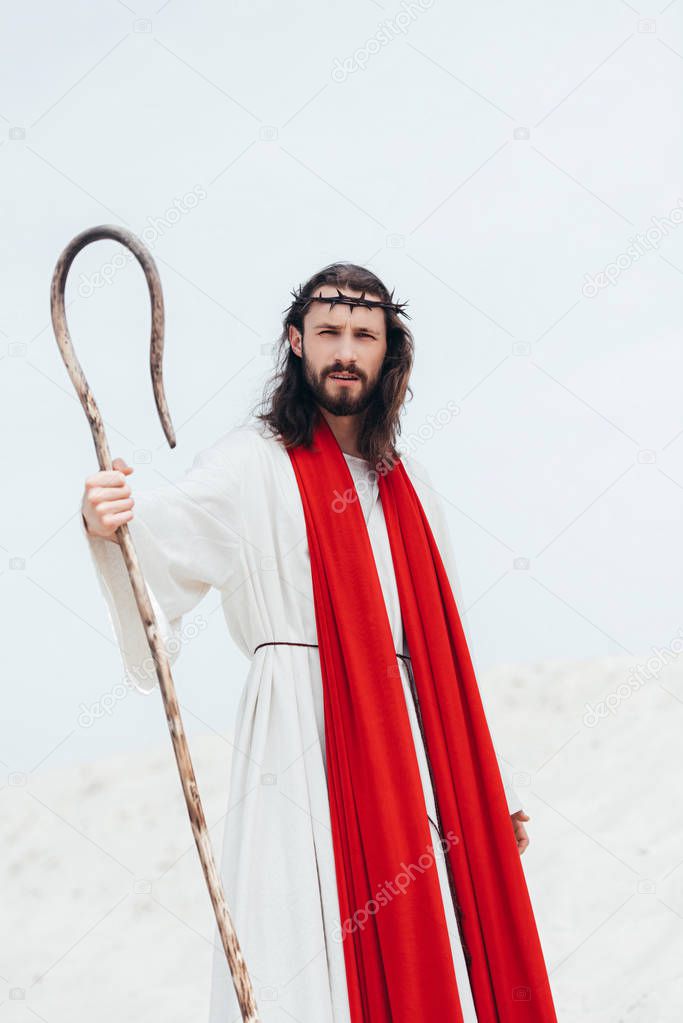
(363, 334)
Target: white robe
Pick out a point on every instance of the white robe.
(235, 522)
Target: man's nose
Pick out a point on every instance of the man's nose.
(345, 349)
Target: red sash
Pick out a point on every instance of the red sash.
(399, 965)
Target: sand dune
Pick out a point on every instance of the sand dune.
(106, 914)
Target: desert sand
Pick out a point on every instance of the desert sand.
(106, 914)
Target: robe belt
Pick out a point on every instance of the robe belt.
(284, 642)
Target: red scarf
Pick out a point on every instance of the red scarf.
(399, 965)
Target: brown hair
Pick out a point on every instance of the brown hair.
(288, 405)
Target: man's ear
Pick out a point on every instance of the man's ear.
(295, 341)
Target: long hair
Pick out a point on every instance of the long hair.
(288, 406)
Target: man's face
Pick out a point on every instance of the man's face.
(349, 340)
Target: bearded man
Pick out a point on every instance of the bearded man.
(371, 860)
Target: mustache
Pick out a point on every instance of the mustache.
(341, 369)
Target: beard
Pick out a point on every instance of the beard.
(343, 402)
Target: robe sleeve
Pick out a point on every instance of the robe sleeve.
(187, 536)
(439, 526)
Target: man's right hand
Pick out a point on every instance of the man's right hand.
(107, 500)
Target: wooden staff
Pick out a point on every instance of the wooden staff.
(238, 968)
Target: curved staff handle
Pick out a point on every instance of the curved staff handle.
(238, 969)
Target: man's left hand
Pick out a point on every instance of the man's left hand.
(521, 836)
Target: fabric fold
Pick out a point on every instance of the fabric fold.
(396, 948)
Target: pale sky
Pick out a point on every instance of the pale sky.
(488, 162)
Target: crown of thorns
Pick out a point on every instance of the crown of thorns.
(302, 302)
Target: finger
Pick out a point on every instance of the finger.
(105, 478)
(120, 463)
(114, 507)
(107, 495)
(113, 492)
(116, 519)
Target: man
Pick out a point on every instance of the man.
(371, 854)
